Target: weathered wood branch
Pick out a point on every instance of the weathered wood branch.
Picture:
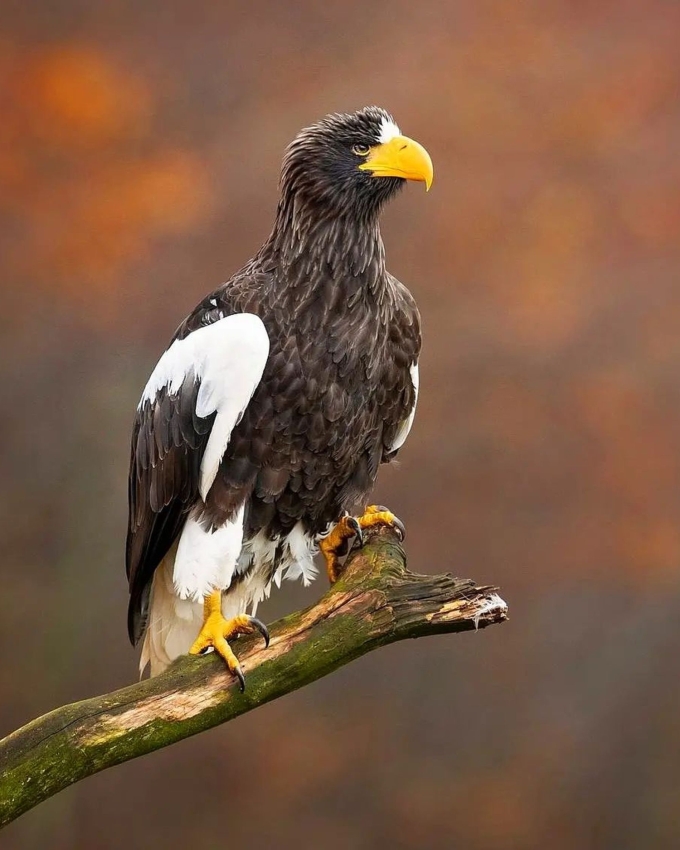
(375, 602)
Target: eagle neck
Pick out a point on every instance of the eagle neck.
(310, 245)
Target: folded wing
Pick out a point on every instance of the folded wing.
(405, 427)
(194, 398)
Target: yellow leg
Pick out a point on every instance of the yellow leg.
(217, 630)
(334, 545)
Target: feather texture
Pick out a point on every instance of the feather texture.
(280, 395)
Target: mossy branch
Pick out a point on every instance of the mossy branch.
(375, 602)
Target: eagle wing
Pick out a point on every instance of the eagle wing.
(405, 426)
(402, 380)
(194, 398)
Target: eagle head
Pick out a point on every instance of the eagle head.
(352, 163)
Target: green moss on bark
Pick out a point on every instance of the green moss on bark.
(375, 602)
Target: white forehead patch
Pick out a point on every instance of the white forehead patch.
(388, 130)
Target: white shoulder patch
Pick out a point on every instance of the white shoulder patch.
(405, 427)
(388, 131)
(228, 358)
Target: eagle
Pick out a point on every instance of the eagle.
(258, 436)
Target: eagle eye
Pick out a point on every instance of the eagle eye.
(360, 150)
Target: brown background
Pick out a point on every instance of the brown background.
(139, 153)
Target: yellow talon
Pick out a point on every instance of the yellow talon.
(217, 630)
(334, 545)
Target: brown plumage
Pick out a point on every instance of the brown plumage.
(337, 384)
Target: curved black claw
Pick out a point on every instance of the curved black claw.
(262, 629)
(398, 524)
(353, 523)
(401, 528)
(241, 678)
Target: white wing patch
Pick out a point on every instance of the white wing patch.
(405, 427)
(228, 358)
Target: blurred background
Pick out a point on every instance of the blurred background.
(139, 153)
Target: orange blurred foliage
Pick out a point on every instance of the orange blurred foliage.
(86, 185)
(74, 96)
(139, 153)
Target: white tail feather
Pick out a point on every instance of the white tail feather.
(174, 623)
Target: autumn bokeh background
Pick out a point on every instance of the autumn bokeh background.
(139, 153)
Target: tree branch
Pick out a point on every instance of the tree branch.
(375, 602)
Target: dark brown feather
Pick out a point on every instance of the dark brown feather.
(336, 387)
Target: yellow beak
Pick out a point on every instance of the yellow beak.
(400, 157)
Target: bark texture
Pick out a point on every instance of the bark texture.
(377, 601)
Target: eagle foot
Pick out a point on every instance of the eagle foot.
(217, 630)
(335, 544)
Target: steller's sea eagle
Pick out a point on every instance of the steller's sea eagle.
(259, 434)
